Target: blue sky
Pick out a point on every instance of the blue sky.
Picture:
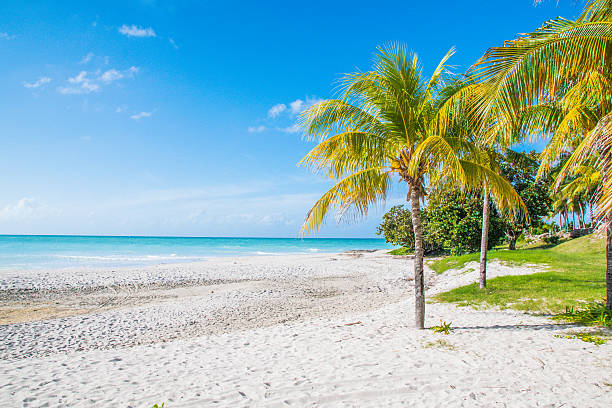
(177, 117)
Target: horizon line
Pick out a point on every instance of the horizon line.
(173, 236)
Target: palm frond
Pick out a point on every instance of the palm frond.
(358, 191)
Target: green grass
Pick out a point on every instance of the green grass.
(576, 274)
(400, 251)
(593, 314)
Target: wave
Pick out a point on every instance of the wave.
(128, 258)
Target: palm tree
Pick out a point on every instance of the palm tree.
(458, 111)
(586, 179)
(383, 125)
(566, 62)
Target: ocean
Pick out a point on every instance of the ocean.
(19, 252)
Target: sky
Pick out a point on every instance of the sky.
(179, 117)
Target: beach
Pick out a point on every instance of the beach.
(286, 330)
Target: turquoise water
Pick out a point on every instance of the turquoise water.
(62, 251)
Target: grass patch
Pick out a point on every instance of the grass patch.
(400, 251)
(576, 275)
(527, 253)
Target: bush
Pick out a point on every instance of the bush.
(455, 222)
(551, 240)
(397, 229)
(452, 223)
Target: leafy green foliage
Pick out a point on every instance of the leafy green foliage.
(576, 273)
(551, 240)
(443, 328)
(396, 227)
(159, 406)
(451, 222)
(454, 221)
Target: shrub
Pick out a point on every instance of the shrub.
(454, 221)
(551, 240)
(396, 227)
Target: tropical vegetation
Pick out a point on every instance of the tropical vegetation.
(385, 123)
(455, 132)
(557, 82)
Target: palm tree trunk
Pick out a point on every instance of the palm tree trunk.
(419, 282)
(484, 240)
(512, 243)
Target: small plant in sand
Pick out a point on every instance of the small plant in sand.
(593, 337)
(159, 406)
(439, 344)
(594, 314)
(444, 328)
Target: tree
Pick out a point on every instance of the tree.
(397, 229)
(384, 124)
(459, 112)
(568, 62)
(454, 222)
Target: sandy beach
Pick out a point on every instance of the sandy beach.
(287, 330)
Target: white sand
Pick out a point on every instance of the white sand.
(273, 332)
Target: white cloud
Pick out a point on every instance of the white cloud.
(87, 58)
(277, 110)
(141, 115)
(110, 76)
(295, 128)
(84, 84)
(6, 36)
(135, 31)
(25, 208)
(173, 43)
(296, 106)
(256, 129)
(81, 85)
(81, 77)
(41, 81)
(293, 108)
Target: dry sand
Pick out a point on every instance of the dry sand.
(291, 330)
